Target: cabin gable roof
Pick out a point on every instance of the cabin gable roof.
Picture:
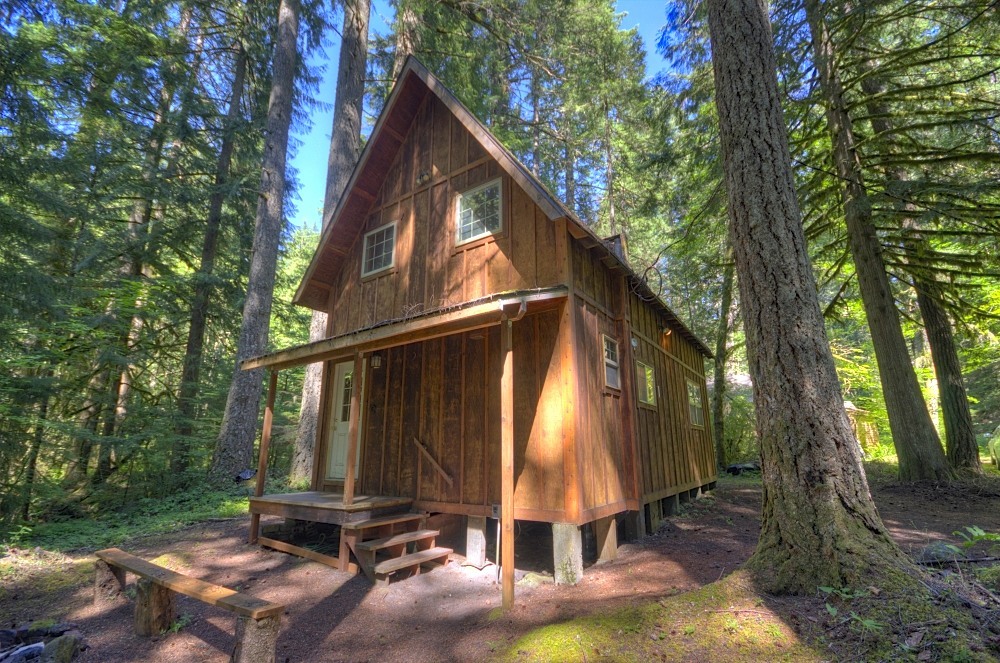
(344, 225)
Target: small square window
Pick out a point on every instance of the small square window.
(695, 409)
(612, 375)
(379, 252)
(479, 212)
(645, 388)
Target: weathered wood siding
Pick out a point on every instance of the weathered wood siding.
(446, 392)
(674, 454)
(438, 160)
(603, 452)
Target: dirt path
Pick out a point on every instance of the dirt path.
(449, 614)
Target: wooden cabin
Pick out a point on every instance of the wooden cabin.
(486, 356)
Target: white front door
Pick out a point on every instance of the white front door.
(340, 419)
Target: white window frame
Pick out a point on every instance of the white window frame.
(609, 363)
(644, 384)
(498, 182)
(364, 250)
(694, 389)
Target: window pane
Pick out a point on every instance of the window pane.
(379, 246)
(612, 377)
(479, 212)
(646, 387)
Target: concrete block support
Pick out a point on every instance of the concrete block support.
(475, 541)
(567, 553)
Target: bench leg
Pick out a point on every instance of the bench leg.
(154, 608)
(109, 584)
(256, 640)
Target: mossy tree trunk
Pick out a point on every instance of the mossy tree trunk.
(819, 524)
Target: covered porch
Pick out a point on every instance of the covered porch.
(344, 507)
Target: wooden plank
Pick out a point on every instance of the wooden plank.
(527, 438)
(205, 592)
(383, 521)
(299, 551)
(442, 473)
(570, 406)
(550, 408)
(393, 426)
(398, 539)
(441, 138)
(474, 419)
(507, 466)
(413, 559)
(522, 238)
(353, 428)
(451, 438)
(265, 443)
(417, 286)
(546, 269)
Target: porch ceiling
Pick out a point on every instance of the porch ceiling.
(430, 324)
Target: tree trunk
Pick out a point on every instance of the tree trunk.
(913, 434)
(234, 447)
(180, 456)
(963, 452)
(960, 438)
(721, 357)
(32, 460)
(407, 36)
(819, 524)
(345, 144)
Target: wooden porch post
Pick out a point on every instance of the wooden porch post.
(507, 466)
(352, 431)
(265, 443)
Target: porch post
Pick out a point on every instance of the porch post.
(352, 431)
(265, 443)
(507, 466)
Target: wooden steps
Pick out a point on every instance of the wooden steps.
(388, 545)
(397, 539)
(415, 560)
(385, 521)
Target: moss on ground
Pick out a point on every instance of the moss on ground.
(731, 620)
(726, 621)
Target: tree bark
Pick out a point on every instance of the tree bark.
(345, 145)
(203, 287)
(819, 524)
(913, 434)
(721, 357)
(963, 452)
(234, 447)
(407, 36)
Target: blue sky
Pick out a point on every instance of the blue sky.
(313, 145)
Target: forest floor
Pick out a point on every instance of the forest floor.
(660, 600)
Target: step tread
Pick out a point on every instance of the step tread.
(413, 559)
(396, 539)
(387, 520)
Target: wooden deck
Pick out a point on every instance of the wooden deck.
(327, 507)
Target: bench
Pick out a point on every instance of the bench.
(256, 627)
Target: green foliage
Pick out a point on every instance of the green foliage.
(133, 519)
(974, 534)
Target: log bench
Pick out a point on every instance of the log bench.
(258, 620)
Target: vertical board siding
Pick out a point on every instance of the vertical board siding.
(673, 453)
(436, 162)
(446, 392)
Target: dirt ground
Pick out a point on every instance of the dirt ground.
(449, 614)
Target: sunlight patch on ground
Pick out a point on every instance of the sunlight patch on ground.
(724, 621)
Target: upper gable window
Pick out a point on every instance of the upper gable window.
(479, 212)
(380, 250)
